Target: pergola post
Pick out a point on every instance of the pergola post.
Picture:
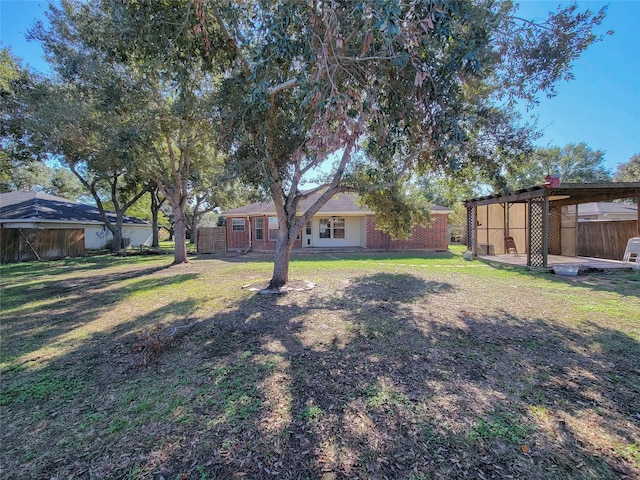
(545, 232)
(543, 229)
(506, 221)
(472, 230)
(538, 213)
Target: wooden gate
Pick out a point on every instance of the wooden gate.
(211, 240)
(27, 244)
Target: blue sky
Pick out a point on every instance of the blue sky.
(601, 107)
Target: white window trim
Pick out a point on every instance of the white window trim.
(273, 226)
(261, 228)
(331, 228)
(236, 226)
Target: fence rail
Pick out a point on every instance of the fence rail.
(605, 239)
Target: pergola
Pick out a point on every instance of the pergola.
(537, 208)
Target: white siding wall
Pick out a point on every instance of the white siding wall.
(353, 233)
(139, 234)
(95, 237)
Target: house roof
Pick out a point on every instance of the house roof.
(41, 207)
(604, 208)
(341, 203)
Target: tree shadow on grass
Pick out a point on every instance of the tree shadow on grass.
(29, 271)
(621, 282)
(365, 382)
(396, 393)
(15, 295)
(575, 386)
(79, 303)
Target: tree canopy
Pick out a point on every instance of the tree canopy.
(137, 112)
(422, 86)
(384, 88)
(628, 171)
(17, 87)
(574, 163)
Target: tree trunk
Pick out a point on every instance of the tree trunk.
(180, 235)
(281, 261)
(155, 240)
(194, 229)
(116, 243)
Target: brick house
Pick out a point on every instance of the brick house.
(340, 223)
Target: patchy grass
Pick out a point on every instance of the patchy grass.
(503, 426)
(408, 366)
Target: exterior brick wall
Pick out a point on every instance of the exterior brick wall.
(237, 240)
(240, 240)
(433, 237)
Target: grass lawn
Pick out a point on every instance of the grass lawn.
(398, 366)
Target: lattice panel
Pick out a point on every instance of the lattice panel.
(471, 227)
(536, 233)
(553, 235)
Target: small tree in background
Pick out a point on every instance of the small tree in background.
(629, 172)
(575, 163)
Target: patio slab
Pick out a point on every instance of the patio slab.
(585, 263)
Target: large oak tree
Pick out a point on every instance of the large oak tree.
(141, 100)
(81, 115)
(386, 87)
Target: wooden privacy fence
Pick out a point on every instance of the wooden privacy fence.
(212, 240)
(605, 239)
(27, 244)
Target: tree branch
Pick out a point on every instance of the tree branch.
(233, 44)
(273, 91)
(534, 24)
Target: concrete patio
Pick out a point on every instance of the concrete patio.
(584, 263)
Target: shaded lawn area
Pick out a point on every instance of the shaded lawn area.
(409, 366)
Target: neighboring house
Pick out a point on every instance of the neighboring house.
(340, 223)
(606, 212)
(36, 210)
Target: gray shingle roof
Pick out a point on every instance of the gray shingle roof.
(341, 203)
(595, 208)
(41, 207)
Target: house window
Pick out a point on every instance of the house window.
(332, 228)
(308, 228)
(273, 228)
(338, 227)
(325, 228)
(259, 226)
(237, 224)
